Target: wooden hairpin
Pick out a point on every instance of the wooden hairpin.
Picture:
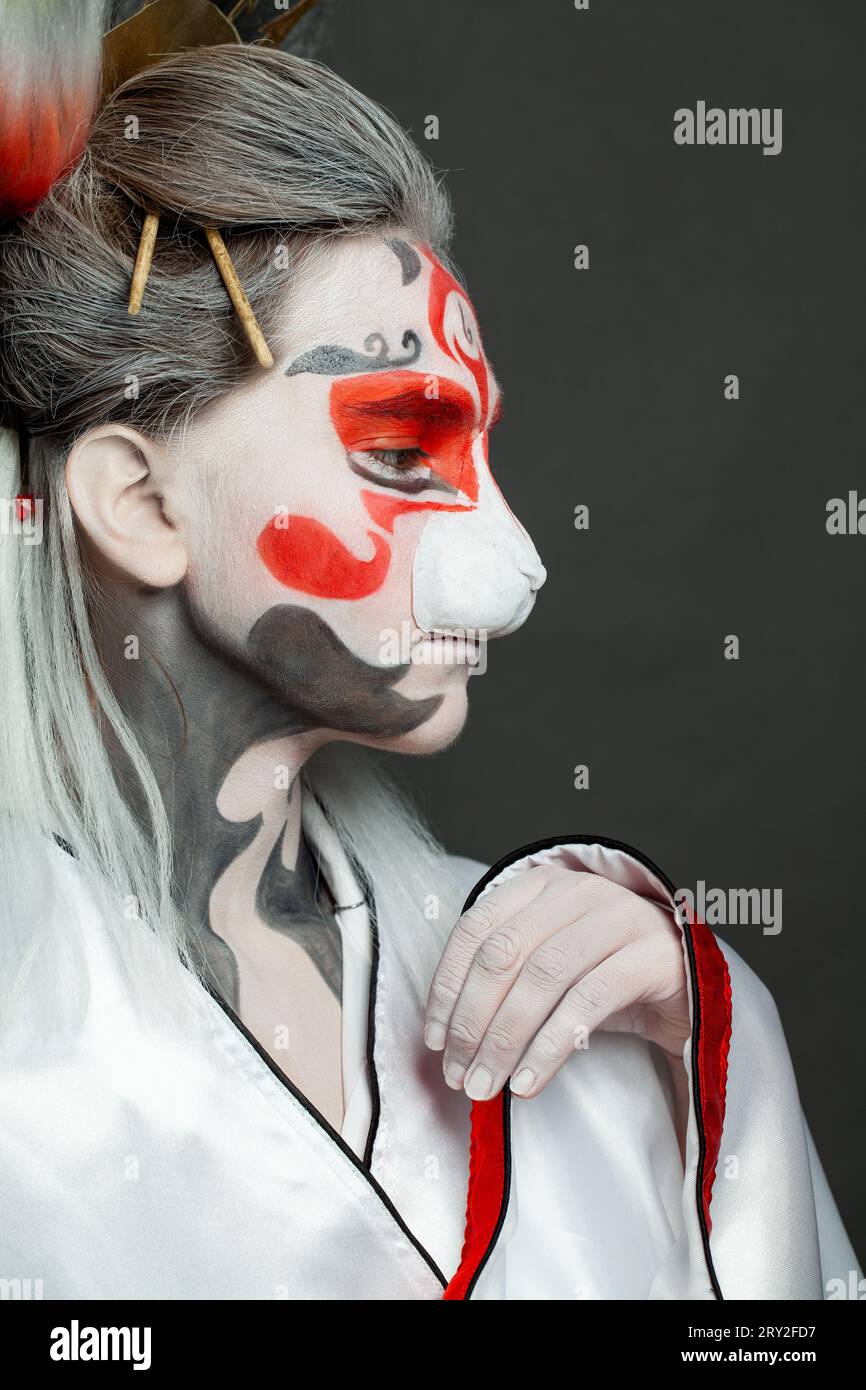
(219, 251)
(143, 261)
(158, 29)
(243, 308)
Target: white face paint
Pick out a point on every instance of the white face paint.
(357, 526)
(477, 570)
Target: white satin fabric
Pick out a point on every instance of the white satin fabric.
(147, 1162)
(619, 1218)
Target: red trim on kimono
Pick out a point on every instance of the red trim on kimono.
(714, 1040)
(487, 1175)
(486, 1189)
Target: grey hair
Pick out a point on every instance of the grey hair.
(280, 154)
(276, 151)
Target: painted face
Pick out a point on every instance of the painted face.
(353, 545)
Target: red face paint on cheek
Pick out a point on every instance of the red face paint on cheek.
(392, 411)
(303, 554)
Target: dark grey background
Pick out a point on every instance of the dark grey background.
(707, 516)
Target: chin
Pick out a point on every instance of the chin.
(441, 729)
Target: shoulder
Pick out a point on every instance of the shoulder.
(752, 998)
(466, 872)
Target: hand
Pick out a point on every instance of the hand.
(544, 959)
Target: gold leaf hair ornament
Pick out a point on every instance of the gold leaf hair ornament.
(161, 28)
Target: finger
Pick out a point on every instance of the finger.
(615, 984)
(499, 958)
(467, 935)
(519, 974)
(497, 964)
(556, 963)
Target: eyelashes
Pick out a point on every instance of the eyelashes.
(408, 470)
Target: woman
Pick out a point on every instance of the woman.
(226, 940)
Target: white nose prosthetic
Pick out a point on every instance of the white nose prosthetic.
(475, 570)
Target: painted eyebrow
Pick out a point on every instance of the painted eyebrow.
(410, 403)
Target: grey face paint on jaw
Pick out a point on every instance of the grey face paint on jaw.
(198, 708)
(294, 649)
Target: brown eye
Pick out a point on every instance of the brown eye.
(406, 468)
(401, 459)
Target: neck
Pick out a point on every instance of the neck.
(227, 756)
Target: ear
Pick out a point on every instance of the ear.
(119, 484)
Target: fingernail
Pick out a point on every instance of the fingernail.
(523, 1081)
(454, 1075)
(479, 1083)
(434, 1036)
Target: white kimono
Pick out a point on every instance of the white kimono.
(145, 1164)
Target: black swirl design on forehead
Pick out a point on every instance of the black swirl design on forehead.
(410, 261)
(332, 360)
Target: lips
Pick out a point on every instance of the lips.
(439, 649)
